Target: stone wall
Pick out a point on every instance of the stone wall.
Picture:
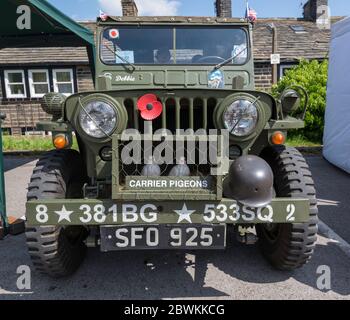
(22, 115)
(84, 79)
(263, 76)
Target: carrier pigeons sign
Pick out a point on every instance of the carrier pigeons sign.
(154, 183)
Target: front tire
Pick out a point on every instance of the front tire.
(289, 246)
(54, 250)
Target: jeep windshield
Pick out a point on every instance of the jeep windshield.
(181, 45)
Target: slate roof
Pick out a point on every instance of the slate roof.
(47, 56)
(312, 44)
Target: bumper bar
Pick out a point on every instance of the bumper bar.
(109, 212)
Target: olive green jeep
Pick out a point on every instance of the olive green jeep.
(175, 147)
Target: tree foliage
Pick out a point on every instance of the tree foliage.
(311, 75)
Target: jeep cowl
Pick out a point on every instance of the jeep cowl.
(175, 148)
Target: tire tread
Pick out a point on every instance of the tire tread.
(292, 179)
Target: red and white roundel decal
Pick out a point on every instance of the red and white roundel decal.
(114, 33)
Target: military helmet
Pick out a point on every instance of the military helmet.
(250, 181)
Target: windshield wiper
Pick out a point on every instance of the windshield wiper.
(120, 57)
(227, 61)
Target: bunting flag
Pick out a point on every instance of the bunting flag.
(103, 16)
(251, 14)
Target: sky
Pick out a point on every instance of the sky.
(89, 9)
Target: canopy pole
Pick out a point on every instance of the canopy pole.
(3, 216)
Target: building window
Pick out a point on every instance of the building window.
(285, 68)
(298, 29)
(38, 83)
(63, 81)
(14, 84)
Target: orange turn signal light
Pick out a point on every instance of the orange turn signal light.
(278, 138)
(60, 141)
(11, 219)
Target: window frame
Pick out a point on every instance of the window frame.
(31, 82)
(8, 84)
(283, 67)
(174, 30)
(298, 29)
(55, 83)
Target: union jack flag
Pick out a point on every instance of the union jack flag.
(103, 16)
(251, 14)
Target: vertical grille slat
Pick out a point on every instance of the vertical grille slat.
(211, 104)
(205, 113)
(136, 114)
(177, 110)
(190, 111)
(164, 103)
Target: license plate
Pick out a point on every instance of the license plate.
(163, 237)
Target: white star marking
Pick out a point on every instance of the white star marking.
(64, 214)
(184, 214)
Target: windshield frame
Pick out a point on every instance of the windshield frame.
(173, 27)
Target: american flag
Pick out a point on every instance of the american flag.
(103, 16)
(251, 14)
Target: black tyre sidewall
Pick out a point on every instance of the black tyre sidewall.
(52, 252)
(294, 244)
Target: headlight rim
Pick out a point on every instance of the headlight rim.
(115, 120)
(222, 107)
(120, 111)
(257, 120)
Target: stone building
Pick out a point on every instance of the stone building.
(27, 73)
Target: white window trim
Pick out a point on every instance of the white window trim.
(31, 82)
(55, 84)
(7, 84)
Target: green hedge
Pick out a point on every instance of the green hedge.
(311, 75)
(30, 143)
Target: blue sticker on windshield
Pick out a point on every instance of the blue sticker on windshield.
(124, 57)
(216, 80)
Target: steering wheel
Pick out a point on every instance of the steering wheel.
(211, 59)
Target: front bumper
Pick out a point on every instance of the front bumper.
(110, 212)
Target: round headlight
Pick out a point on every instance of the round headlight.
(98, 119)
(241, 118)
